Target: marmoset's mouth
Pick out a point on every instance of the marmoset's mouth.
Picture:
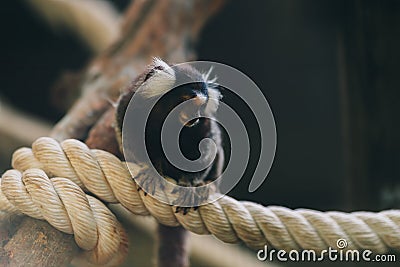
(192, 123)
(183, 117)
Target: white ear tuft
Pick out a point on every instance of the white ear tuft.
(206, 76)
(159, 80)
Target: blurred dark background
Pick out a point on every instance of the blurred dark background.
(329, 69)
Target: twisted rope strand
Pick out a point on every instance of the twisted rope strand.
(229, 220)
(66, 207)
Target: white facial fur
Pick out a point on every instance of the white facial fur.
(214, 96)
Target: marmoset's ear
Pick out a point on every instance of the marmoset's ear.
(159, 79)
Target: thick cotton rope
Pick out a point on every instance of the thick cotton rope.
(67, 208)
(231, 221)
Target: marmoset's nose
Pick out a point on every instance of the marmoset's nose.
(199, 100)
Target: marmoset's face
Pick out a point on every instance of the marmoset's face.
(176, 85)
(194, 99)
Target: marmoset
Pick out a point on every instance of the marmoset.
(166, 80)
(161, 79)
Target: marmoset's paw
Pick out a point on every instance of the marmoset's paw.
(196, 193)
